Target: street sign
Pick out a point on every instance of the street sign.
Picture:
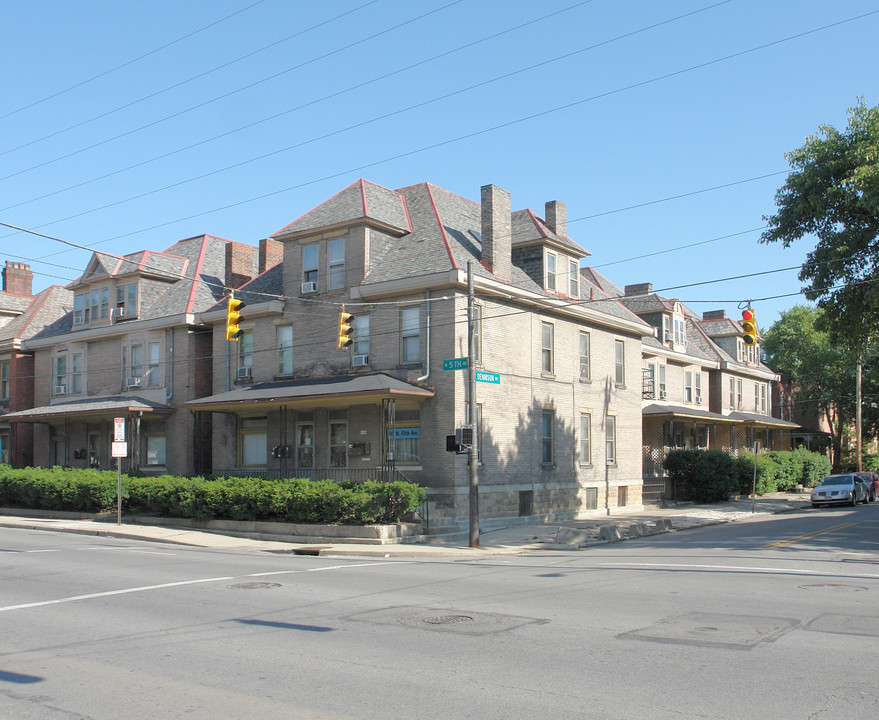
(118, 429)
(488, 377)
(119, 449)
(456, 364)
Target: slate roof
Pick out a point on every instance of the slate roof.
(43, 309)
(13, 304)
(267, 286)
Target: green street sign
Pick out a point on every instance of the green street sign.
(488, 377)
(456, 364)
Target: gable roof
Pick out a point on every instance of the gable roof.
(43, 309)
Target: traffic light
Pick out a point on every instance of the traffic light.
(346, 328)
(233, 319)
(749, 326)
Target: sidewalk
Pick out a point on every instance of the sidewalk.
(514, 539)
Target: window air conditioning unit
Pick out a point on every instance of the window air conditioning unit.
(360, 360)
(669, 336)
(309, 287)
(244, 372)
(698, 399)
(464, 436)
(135, 382)
(740, 406)
(118, 313)
(663, 394)
(77, 319)
(60, 389)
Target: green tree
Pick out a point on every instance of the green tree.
(819, 373)
(832, 194)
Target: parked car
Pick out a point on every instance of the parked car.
(839, 490)
(871, 479)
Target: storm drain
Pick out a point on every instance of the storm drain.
(254, 586)
(441, 620)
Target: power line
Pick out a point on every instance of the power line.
(129, 62)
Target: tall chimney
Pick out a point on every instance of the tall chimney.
(497, 233)
(271, 252)
(557, 218)
(18, 279)
(239, 264)
(639, 289)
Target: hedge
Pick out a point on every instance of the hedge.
(295, 500)
(715, 476)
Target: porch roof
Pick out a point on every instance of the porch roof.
(678, 411)
(337, 391)
(94, 408)
(758, 419)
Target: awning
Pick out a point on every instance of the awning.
(96, 408)
(337, 391)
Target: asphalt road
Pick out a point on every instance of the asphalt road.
(770, 618)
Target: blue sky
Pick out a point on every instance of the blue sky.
(661, 125)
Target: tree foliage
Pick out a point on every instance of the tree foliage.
(832, 194)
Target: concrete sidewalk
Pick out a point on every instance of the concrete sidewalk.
(514, 539)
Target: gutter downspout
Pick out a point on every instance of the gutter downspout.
(427, 337)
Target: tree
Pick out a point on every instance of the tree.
(820, 374)
(833, 194)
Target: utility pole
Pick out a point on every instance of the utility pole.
(471, 412)
(858, 417)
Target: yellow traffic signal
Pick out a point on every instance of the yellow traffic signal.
(233, 319)
(346, 329)
(749, 326)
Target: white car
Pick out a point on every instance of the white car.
(845, 489)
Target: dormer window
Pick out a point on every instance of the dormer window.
(309, 263)
(336, 262)
(126, 300)
(680, 331)
(574, 279)
(550, 271)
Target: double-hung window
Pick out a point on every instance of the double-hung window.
(619, 362)
(105, 303)
(698, 387)
(136, 371)
(4, 380)
(663, 391)
(574, 279)
(76, 373)
(410, 335)
(309, 263)
(688, 386)
(610, 439)
(550, 271)
(126, 300)
(285, 349)
(732, 393)
(546, 428)
(585, 438)
(80, 309)
(680, 331)
(336, 262)
(584, 356)
(763, 398)
(739, 394)
(245, 354)
(61, 374)
(546, 350)
(360, 346)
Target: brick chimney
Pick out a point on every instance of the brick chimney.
(239, 264)
(271, 252)
(639, 289)
(714, 315)
(557, 218)
(18, 279)
(497, 232)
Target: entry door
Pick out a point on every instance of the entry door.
(339, 444)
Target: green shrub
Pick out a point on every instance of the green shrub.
(767, 470)
(707, 475)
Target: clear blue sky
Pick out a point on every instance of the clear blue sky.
(129, 126)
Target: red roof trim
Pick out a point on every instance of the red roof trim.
(195, 279)
(442, 228)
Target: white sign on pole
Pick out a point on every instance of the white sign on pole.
(119, 449)
(118, 429)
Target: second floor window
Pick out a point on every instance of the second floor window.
(574, 279)
(4, 379)
(698, 387)
(546, 353)
(245, 352)
(610, 429)
(584, 356)
(732, 393)
(336, 262)
(688, 386)
(136, 353)
(663, 392)
(360, 346)
(550, 271)
(154, 355)
(410, 335)
(739, 394)
(309, 263)
(61, 374)
(285, 349)
(76, 373)
(619, 362)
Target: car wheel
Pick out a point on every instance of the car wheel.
(815, 505)
(854, 499)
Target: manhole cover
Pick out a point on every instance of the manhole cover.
(448, 619)
(832, 586)
(254, 586)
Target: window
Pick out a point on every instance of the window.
(610, 439)
(154, 355)
(309, 263)
(336, 254)
(763, 399)
(105, 303)
(78, 304)
(585, 439)
(252, 440)
(305, 445)
(410, 335)
(76, 373)
(550, 271)
(591, 498)
(360, 346)
(663, 393)
(245, 351)
(698, 387)
(4, 379)
(96, 305)
(406, 438)
(338, 444)
(732, 393)
(285, 349)
(126, 300)
(546, 427)
(739, 394)
(136, 362)
(688, 386)
(574, 279)
(649, 384)
(680, 331)
(477, 332)
(60, 374)
(584, 356)
(756, 397)
(154, 441)
(622, 495)
(546, 332)
(619, 362)
(666, 328)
